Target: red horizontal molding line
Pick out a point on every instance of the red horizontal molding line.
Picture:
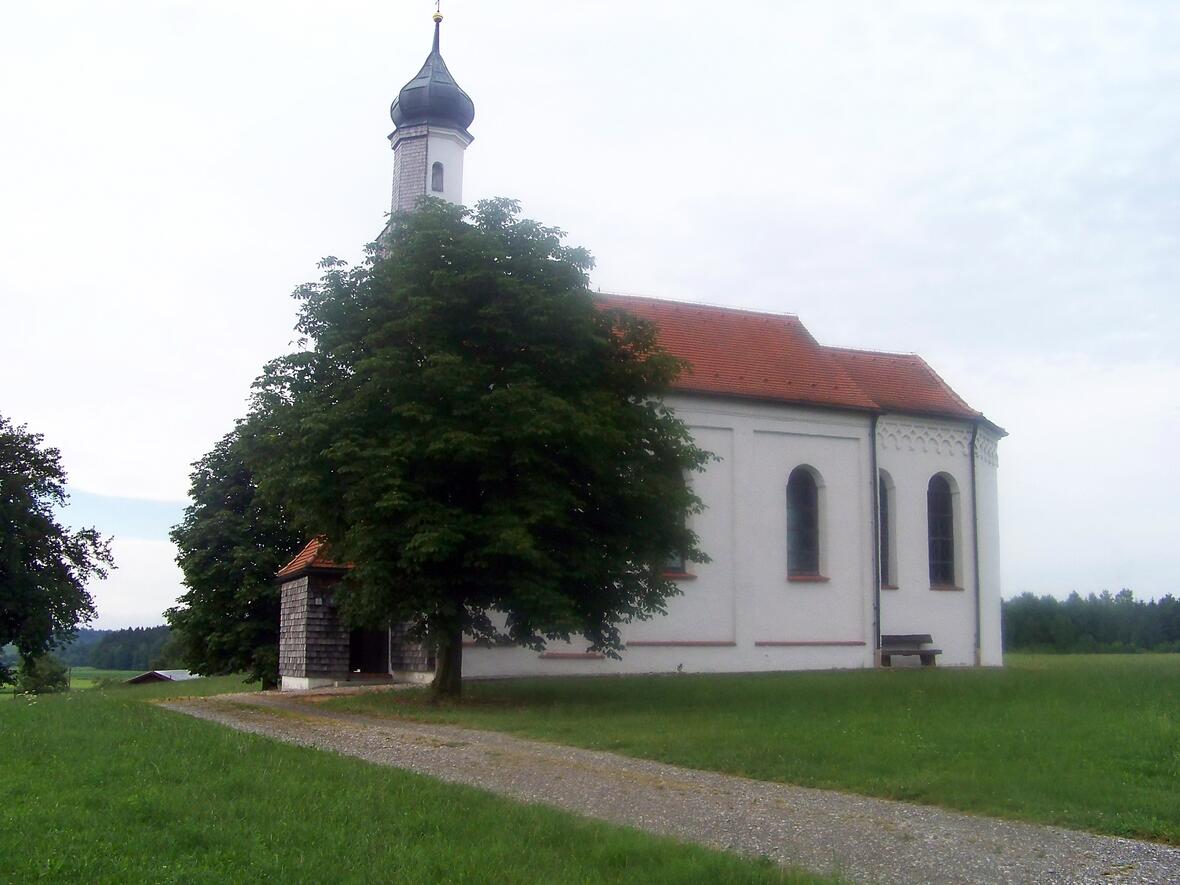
(572, 655)
(682, 643)
(811, 643)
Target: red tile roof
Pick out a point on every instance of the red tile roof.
(773, 357)
(313, 556)
(902, 382)
(742, 353)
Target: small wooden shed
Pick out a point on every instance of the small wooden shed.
(162, 676)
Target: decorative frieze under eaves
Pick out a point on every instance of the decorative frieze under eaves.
(987, 449)
(908, 435)
(921, 436)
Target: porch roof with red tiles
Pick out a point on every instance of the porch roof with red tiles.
(310, 558)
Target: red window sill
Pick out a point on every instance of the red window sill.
(947, 588)
(680, 576)
(889, 587)
(807, 579)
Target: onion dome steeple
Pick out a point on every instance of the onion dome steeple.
(431, 115)
(433, 97)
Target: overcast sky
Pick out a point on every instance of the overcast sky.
(994, 185)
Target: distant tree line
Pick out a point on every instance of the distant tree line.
(134, 648)
(77, 653)
(137, 648)
(1096, 623)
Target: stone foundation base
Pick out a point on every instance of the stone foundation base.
(416, 677)
(303, 683)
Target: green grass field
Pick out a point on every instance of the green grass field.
(100, 786)
(1090, 742)
(88, 677)
(82, 678)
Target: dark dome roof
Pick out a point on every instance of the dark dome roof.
(433, 96)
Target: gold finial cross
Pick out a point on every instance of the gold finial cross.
(437, 15)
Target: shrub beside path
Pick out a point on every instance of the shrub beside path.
(854, 837)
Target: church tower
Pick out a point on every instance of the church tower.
(430, 115)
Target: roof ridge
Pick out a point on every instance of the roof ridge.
(866, 350)
(947, 387)
(703, 304)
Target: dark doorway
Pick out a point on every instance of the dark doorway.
(368, 651)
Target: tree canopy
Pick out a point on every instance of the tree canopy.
(44, 567)
(477, 436)
(230, 544)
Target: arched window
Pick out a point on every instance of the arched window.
(940, 514)
(802, 524)
(885, 522)
(676, 563)
(436, 178)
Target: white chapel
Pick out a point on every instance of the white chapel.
(851, 516)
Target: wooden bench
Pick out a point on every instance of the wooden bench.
(908, 644)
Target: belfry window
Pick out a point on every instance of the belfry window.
(940, 513)
(802, 524)
(436, 178)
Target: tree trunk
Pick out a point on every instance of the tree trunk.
(448, 671)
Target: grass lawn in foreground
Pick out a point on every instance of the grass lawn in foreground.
(1085, 741)
(101, 786)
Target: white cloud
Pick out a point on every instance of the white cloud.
(146, 582)
(1088, 477)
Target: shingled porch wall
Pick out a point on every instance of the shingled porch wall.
(313, 641)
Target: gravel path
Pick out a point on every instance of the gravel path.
(862, 839)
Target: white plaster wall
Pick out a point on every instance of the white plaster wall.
(705, 611)
(740, 613)
(913, 450)
(446, 146)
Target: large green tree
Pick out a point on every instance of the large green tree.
(230, 543)
(472, 431)
(44, 566)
